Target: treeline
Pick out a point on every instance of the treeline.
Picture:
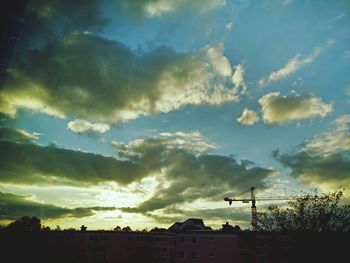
(33, 224)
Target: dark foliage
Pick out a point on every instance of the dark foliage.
(25, 224)
(316, 213)
(126, 229)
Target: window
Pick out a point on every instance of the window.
(261, 259)
(182, 239)
(211, 238)
(194, 255)
(182, 254)
(194, 240)
(211, 254)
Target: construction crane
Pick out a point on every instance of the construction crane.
(253, 199)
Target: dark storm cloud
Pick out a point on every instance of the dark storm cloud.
(323, 160)
(208, 177)
(186, 172)
(78, 14)
(14, 206)
(318, 168)
(89, 77)
(189, 175)
(16, 135)
(47, 20)
(34, 164)
(61, 67)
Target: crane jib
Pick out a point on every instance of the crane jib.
(253, 199)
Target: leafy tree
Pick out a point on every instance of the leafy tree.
(227, 227)
(117, 228)
(308, 213)
(157, 229)
(25, 224)
(45, 228)
(126, 229)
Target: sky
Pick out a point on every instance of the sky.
(148, 112)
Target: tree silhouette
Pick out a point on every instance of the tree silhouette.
(126, 229)
(307, 212)
(46, 228)
(71, 229)
(157, 229)
(25, 224)
(227, 227)
(117, 228)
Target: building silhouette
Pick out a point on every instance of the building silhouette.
(184, 242)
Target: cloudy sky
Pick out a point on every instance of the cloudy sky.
(145, 112)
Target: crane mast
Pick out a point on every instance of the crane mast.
(253, 207)
(253, 199)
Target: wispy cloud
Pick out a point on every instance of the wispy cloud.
(347, 54)
(286, 2)
(293, 65)
(339, 16)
